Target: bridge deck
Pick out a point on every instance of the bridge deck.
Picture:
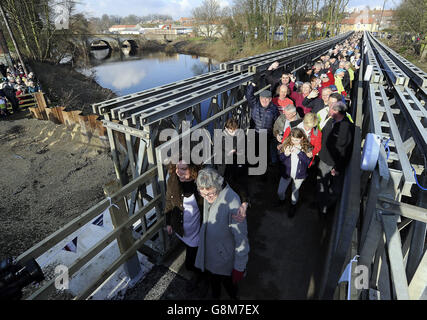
(286, 256)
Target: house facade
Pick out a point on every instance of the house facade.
(368, 20)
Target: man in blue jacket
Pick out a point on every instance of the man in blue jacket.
(263, 115)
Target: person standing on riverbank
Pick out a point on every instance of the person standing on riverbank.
(3, 107)
(10, 94)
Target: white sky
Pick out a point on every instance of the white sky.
(177, 8)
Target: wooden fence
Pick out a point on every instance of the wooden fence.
(89, 124)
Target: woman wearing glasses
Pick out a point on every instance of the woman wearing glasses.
(223, 246)
(183, 209)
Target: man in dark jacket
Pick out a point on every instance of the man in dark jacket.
(335, 154)
(263, 115)
(346, 79)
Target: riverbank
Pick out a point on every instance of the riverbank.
(220, 50)
(407, 52)
(64, 86)
(50, 174)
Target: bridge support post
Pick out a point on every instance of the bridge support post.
(152, 162)
(119, 216)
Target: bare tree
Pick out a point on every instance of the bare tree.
(208, 17)
(272, 20)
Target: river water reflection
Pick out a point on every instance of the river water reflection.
(125, 74)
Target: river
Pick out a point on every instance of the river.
(125, 74)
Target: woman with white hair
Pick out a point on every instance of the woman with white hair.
(298, 96)
(223, 245)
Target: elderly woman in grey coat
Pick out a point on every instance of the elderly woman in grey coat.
(223, 245)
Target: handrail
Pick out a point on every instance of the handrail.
(84, 218)
(119, 261)
(80, 262)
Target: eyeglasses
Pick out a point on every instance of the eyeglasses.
(208, 195)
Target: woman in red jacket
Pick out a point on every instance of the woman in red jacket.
(314, 135)
(327, 79)
(299, 96)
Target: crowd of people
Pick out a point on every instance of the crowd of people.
(309, 131)
(14, 85)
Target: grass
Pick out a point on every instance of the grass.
(408, 53)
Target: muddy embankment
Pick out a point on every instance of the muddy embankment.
(50, 174)
(64, 86)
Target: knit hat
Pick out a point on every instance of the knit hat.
(339, 71)
(265, 94)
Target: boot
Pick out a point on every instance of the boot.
(322, 212)
(292, 210)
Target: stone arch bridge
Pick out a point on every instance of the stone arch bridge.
(118, 41)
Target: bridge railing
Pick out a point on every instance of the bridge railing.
(35, 252)
(387, 239)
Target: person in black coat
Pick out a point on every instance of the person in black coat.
(276, 76)
(335, 154)
(304, 74)
(10, 93)
(234, 167)
(3, 70)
